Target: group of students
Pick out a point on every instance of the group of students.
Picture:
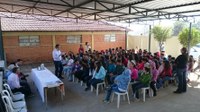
(117, 67)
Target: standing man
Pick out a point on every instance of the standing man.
(57, 61)
(87, 46)
(181, 63)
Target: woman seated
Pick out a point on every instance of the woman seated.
(76, 67)
(120, 84)
(166, 73)
(144, 80)
(110, 70)
(83, 73)
(68, 68)
(134, 71)
(13, 82)
(154, 80)
(98, 76)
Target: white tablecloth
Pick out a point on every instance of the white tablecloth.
(45, 79)
(2, 64)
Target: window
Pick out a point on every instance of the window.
(74, 39)
(110, 38)
(29, 40)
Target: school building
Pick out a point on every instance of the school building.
(33, 40)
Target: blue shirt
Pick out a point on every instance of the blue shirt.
(7, 74)
(101, 74)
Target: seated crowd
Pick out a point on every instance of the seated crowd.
(116, 67)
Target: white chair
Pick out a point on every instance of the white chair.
(102, 84)
(15, 105)
(9, 107)
(121, 94)
(17, 96)
(144, 89)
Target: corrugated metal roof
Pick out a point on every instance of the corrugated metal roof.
(107, 10)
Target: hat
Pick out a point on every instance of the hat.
(133, 62)
(10, 67)
(147, 65)
(126, 72)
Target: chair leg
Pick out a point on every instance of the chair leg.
(150, 92)
(73, 78)
(144, 92)
(97, 90)
(118, 100)
(91, 88)
(81, 83)
(102, 86)
(113, 95)
(128, 98)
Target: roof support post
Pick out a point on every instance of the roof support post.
(149, 38)
(92, 41)
(126, 40)
(1, 44)
(189, 37)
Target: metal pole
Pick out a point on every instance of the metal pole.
(189, 37)
(1, 44)
(149, 38)
(126, 40)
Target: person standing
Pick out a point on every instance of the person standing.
(81, 50)
(181, 63)
(57, 61)
(87, 46)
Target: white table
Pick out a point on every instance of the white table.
(44, 79)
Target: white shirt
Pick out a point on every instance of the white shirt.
(70, 62)
(87, 47)
(13, 81)
(56, 55)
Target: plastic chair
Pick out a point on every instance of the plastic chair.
(98, 86)
(9, 107)
(144, 92)
(121, 94)
(15, 105)
(17, 96)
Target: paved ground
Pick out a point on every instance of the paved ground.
(77, 100)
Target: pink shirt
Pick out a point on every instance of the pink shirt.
(134, 73)
(154, 74)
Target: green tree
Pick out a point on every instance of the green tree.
(161, 34)
(178, 26)
(195, 37)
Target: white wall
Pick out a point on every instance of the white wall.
(172, 45)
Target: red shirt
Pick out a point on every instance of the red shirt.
(166, 72)
(140, 66)
(81, 50)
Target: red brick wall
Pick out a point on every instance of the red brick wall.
(100, 44)
(28, 54)
(43, 52)
(66, 47)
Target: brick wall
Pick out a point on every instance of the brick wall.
(43, 52)
(100, 44)
(28, 54)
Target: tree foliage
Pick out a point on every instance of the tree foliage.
(161, 34)
(195, 37)
(178, 26)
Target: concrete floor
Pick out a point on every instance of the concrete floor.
(77, 100)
